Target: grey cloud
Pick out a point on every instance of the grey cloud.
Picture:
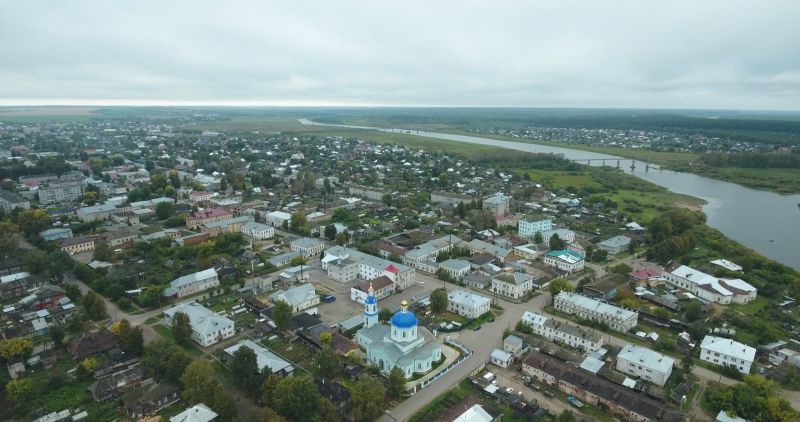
(727, 54)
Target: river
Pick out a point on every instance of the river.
(764, 221)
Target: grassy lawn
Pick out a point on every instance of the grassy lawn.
(297, 354)
(562, 179)
(784, 181)
(165, 332)
(448, 317)
(690, 396)
(646, 206)
(152, 320)
(478, 322)
(750, 308)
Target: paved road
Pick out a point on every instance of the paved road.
(116, 314)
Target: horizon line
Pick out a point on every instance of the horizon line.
(306, 104)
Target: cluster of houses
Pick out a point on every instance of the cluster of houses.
(479, 258)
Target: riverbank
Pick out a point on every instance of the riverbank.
(779, 180)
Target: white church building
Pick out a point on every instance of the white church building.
(403, 344)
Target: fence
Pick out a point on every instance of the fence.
(466, 353)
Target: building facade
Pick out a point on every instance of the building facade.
(308, 246)
(299, 297)
(456, 268)
(193, 283)
(514, 285)
(617, 400)
(257, 231)
(343, 270)
(564, 260)
(370, 266)
(574, 336)
(646, 364)
(75, 245)
(615, 244)
(527, 228)
(211, 215)
(56, 234)
(277, 218)
(497, 204)
(450, 198)
(726, 352)
(60, 191)
(380, 287)
(709, 288)
(10, 200)
(616, 318)
(208, 328)
(467, 304)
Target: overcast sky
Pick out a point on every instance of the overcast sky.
(697, 54)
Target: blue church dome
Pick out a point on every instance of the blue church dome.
(371, 300)
(404, 319)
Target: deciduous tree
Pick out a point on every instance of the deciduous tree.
(384, 314)
(282, 314)
(296, 398)
(244, 367)
(103, 252)
(556, 243)
(181, 328)
(367, 399)
(330, 232)
(15, 348)
(19, 391)
(198, 382)
(439, 300)
(326, 363)
(559, 285)
(164, 210)
(395, 386)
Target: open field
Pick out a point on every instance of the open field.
(646, 206)
(289, 125)
(781, 180)
(46, 114)
(46, 111)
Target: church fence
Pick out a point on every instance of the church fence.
(466, 353)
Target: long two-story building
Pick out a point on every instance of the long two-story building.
(514, 285)
(620, 401)
(709, 288)
(616, 318)
(370, 266)
(726, 352)
(574, 336)
(208, 328)
(193, 283)
(645, 364)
